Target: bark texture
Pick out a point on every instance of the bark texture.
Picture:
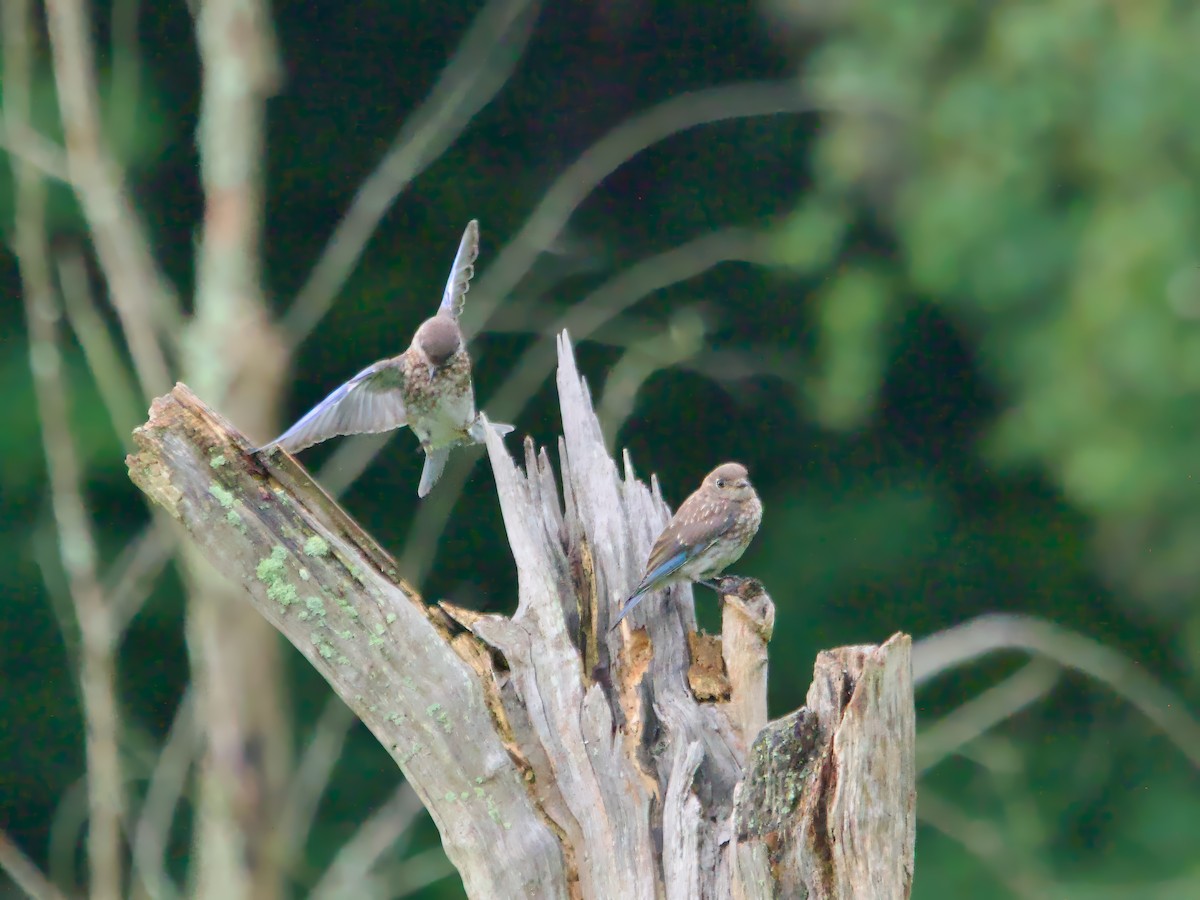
(559, 758)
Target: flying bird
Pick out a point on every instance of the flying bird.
(709, 533)
(427, 387)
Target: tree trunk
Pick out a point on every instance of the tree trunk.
(557, 758)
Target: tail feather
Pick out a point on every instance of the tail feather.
(629, 605)
(477, 433)
(435, 462)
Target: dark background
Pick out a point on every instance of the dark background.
(965, 382)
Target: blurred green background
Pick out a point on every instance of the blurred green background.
(963, 369)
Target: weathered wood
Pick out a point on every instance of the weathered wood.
(560, 758)
(828, 805)
(334, 593)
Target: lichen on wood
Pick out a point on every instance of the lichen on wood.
(557, 757)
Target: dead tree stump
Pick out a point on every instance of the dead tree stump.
(559, 759)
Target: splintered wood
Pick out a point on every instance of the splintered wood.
(557, 757)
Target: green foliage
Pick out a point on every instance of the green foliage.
(1035, 164)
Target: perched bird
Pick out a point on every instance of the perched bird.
(427, 387)
(709, 532)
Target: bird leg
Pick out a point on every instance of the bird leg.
(729, 584)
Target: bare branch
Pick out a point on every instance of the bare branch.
(313, 574)
(22, 870)
(116, 384)
(986, 634)
(166, 786)
(545, 224)
(679, 341)
(133, 576)
(312, 775)
(241, 70)
(999, 702)
(355, 861)
(983, 841)
(76, 543)
(139, 292)
(408, 877)
(476, 73)
(236, 356)
(22, 142)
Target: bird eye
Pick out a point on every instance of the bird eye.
(720, 482)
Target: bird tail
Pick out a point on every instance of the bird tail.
(435, 462)
(477, 433)
(629, 605)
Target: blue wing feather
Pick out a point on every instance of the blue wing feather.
(651, 581)
(663, 570)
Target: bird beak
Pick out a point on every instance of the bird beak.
(432, 371)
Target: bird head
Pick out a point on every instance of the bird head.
(730, 480)
(438, 339)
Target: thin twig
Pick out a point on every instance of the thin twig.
(986, 634)
(46, 554)
(625, 141)
(615, 296)
(24, 872)
(312, 776)
(131, 578)
(375, 837)
(982, 840)
(167, 782)
(38, 151)
(719, 365)
(114, 381)
(66, 829)
(1005, 762)
(682, 339)
(140, 293)
(944, 737)
(475, 74)
(77, 546)
(418, 871)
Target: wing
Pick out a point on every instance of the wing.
(663, 570)
(459, 282)
(369, 402)
(693, 529)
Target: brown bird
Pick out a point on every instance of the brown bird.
(428, 387)
(709, 533)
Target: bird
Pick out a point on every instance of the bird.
(427, 387)
(708, 533)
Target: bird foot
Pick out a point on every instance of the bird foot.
(737, 585)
